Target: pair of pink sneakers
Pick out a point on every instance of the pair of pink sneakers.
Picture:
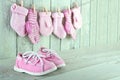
(41, 63)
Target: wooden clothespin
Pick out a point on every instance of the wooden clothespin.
(75, 4)
(33, 7)
(58, 10)
(45, 10)
(21, 3)
(69, 8)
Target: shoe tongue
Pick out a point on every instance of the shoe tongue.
(41, 51)
(42, 48)
(44, 52)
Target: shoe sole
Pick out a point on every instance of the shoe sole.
(61, 65)
(35, 74)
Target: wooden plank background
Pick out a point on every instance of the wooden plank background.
(101, 26)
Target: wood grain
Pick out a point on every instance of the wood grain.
(93, 22)
(112, 21)
(85, 36)
(101, 26)
(55, 42)
(65, 43)
(118, 22)
(102, 15)
(7, 35)
(44, 40)
(75, 44)
(23, 43)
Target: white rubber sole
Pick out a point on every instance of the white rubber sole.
(35, 74)
(61, 65)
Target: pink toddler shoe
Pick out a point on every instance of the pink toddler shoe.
(32, 27)
(33, 64)
(59, 30)
(18, 17)
(52, 56)
(45, 21)
(68, 24)
(77, 18)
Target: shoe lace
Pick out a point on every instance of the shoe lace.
(49, 52)
(35, 57)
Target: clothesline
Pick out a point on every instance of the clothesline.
(58, 9)
(44, 8)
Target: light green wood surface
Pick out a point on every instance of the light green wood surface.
(85, 35)
(118, 20)
(82, 64)
(101, 26)
(93, 22)
(7, 35)
(102, 17)
(112, 21)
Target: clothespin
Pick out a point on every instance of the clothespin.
(69, 9)
(21, 3)
(75, 4)
(45, 10)
(58, 10)
(33, 7)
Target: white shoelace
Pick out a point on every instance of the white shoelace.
(36, 57)
(50, 52)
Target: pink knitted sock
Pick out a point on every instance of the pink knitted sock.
(18, 19)
(46, 27)
(32, 27)
(68, 24)
(77, 18)
(59, 30)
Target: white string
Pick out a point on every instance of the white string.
(36, 57)
(50, 52)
